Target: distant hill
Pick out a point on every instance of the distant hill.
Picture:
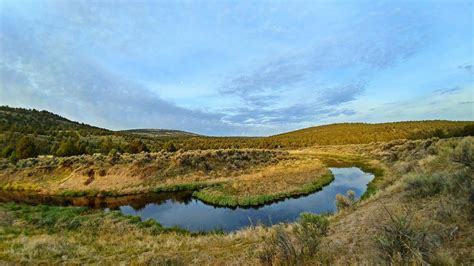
(344, 133)
(27, 133)
(358, 133)
(159, 132)
(40, 122)
(43, 132)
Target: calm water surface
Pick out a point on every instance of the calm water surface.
(195, 215)
(180, 209)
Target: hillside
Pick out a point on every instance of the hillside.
(159, 132)
(41, 122)
(360, 133)
(339, 134)
(27, 133)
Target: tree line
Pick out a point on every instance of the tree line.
(27, 133)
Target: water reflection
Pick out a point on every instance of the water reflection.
(197, 215)
(180, 209)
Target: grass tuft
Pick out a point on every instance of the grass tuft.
(400, 242)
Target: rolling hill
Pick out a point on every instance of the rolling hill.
(159, 132)
(48, 133)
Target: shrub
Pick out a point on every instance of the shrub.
(464, 152)
(343, 202)
(400, 242)
(309, 231)
(290, 248)
(13, 158)
(425, 185)
(461, 187)
(67, 148)
(137, 146)
(279, 249)
(170, 147)
(7, 151)
(25, 148)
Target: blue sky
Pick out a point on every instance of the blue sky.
(238, 67)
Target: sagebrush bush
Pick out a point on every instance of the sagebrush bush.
(344, 202)
(309, 231)
(461, 187)
(464, 152)
(292, 247)
(398, 239)
(425, 185)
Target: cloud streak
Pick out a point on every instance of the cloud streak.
(217, 68)
(349, 57)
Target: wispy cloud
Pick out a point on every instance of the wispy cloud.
(467, 67)
(333, 71)
(252, 67)
(448, 90)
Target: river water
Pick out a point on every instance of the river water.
(182, 210)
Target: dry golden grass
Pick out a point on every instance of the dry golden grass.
(283, 177)
(112, 242)
(135, 173)
(351, 238)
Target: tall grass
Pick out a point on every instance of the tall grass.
(399, 241)
(292, 247)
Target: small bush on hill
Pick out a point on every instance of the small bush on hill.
(425, 185)
(343, 202)
(293, 247)
(169, 147)
(464, 152)
(25, 148)
(137, 146)
(400, 242)
(309, 231)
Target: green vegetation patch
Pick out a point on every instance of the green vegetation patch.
(215, 195)
(185, 187)
(19, 187)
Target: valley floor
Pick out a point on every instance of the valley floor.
(418, 209)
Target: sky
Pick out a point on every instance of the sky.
(243, 68)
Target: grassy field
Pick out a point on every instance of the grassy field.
(420, 212)
(288, 178)
(220, 177)
(418, 209)
(135, 173)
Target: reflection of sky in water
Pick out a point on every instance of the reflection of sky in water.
(196, 215)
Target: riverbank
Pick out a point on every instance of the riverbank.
(127, 174)
(221, 196)
(45, 234)
(425, 190)
(240, 179)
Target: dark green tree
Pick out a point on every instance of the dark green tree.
(170, 147)
(137, 146)
(67, 148)
(25, 148)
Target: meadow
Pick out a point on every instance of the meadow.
(418, 209)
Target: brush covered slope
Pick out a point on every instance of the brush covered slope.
(220, 177)
(121, 174)
(421, 212)
(27, 133)
(159, 132)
